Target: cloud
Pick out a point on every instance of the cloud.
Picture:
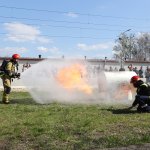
(53, 50)
(102, 7)
(71, 14)
(42, 49)
(100, 46)
(20, 32)
(8, 51)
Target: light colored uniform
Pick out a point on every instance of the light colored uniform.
(6, 78)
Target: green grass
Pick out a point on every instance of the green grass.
(25, 125)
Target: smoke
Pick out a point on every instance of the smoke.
(70, 81)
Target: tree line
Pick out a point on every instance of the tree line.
(132, 47)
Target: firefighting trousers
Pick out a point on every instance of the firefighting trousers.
(7, 88)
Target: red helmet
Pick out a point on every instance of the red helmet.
(134, 79)
(15, 56)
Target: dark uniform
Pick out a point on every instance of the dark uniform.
(142, 99)
(6, 79)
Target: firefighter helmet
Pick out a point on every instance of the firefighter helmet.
(15, 56)
(134, 79)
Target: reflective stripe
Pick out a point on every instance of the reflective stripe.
(144, 84)
(144, 106)
(144, 97)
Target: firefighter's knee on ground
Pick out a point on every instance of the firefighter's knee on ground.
(7, 90)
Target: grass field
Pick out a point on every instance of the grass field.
(25, 125)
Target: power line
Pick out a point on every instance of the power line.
(70, 22)
(51, 20)
(64, 21)
(68, 27)
(59, 36)
(60, 21)
(65, 12)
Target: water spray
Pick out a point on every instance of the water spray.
(68, 81)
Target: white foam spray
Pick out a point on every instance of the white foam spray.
(42, 82)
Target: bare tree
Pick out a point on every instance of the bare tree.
(132, 48)
(143, 46)
(125, 46)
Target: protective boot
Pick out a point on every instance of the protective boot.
(5, 98)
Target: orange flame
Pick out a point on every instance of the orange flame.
(71, 77)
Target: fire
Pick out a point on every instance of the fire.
(71, 77)
(123, 91)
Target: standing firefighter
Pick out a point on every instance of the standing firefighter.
(142, 99)
(8, 72)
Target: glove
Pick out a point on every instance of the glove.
(129, 108)
(17, 75)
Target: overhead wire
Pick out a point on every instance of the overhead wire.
(69, 22)
(60, 36)
(62, 12)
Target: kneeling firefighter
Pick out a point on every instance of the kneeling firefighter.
(9, 70)
(142, 98)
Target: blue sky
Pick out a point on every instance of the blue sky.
(70, 28)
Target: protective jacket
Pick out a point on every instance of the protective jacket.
(142, 99)
(10, 69)
(9, 73)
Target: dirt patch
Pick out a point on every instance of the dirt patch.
(132, 147)
(4, 145)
